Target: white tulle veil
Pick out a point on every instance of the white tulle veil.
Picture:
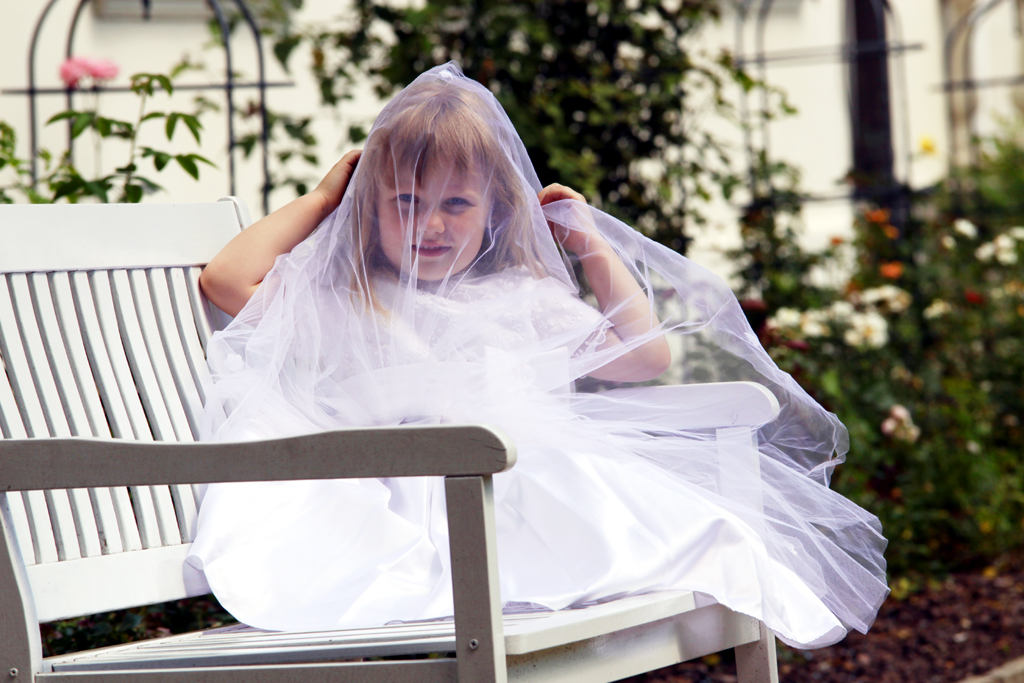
(436, 292)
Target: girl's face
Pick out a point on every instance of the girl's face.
(435, 226)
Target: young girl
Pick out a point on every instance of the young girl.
(429, 279)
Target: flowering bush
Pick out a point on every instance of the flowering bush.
(921, 354)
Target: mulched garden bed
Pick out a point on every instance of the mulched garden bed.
(942, 632)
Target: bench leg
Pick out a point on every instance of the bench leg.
(479, 638)
(756, 662)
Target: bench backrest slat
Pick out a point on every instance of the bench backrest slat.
(96, 295)
(103, 331)
(78, 359)
(48, 513)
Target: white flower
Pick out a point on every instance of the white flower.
(899, 425)
(891, 296)
(840, 311)
(1006, 250)
(965, 228)
(785, 318)
(867, 329)
(948, 242)
(1016, 233)
(937, 309)
(1007, 258)
(986, 251)
(812, 324)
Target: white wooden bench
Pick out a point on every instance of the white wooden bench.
(102, 331)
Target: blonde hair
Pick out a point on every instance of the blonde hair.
(440, 124)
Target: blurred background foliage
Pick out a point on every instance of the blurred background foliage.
(915, 338)
(612, 97)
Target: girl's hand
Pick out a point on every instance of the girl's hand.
(583, 237)
(332, 188)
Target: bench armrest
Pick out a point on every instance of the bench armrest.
(442, 450)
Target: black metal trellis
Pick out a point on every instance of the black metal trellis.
(228, 86)
(850, 52)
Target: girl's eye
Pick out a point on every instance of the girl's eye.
(458, 202)
(406, 198)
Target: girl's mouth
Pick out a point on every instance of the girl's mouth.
(431, 250)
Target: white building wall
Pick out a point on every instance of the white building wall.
(816, 140)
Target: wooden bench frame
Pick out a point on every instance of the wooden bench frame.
(48, 447)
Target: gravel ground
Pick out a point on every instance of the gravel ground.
(942, 632)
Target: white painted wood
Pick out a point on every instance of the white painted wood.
(38, 515)
(104, 236)
(51, 340)
(673, 636)
(201, 308)
(146, 382)
(39, 372)
(620, 654)
(188, 398)
(17, 366)
(756, 662)
(11, 426)
(68, 387)
(108, 582)
(19, 521)
(115, 517)
(78, 356)
(425, 671)
(95, 305)
(187, 328)
(156, 348)
(479, 647)
(20, 643)
(108, 526)
(241, 212)
(568, 626)
(95, 514)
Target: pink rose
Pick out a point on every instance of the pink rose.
(73, 70)
(101, 69)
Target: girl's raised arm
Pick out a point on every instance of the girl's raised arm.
(619, 297)
(234, 274)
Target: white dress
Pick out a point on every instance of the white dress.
(586, 514)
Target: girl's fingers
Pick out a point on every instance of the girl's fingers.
(334, 183)
(555, 192)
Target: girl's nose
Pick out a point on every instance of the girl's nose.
(434, 224)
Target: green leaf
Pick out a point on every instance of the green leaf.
(283, 49)
(188, 165)
(96, 188)
(133, 194)
(193, 125)
(160, 160)
(68, 188)
(153, 115)
(102, 125)
(356, 134)
(172, 122)
(61, 116)
(82, 121)
(165, 83)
